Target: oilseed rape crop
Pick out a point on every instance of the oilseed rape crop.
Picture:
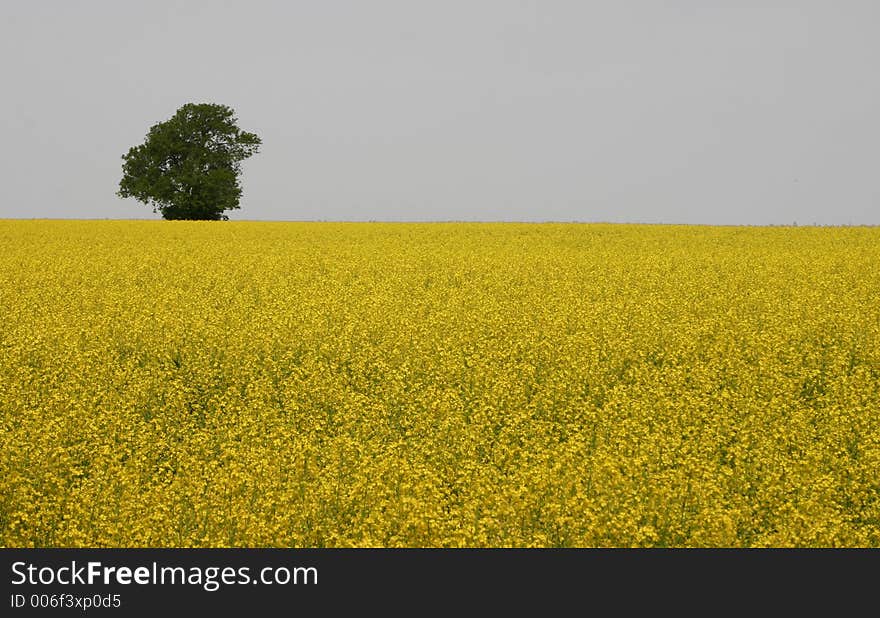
(252, 384)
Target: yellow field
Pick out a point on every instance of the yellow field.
(328, 384)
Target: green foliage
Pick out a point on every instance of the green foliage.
(188, 166)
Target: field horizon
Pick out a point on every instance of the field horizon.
(461, 221)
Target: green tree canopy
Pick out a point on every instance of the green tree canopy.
(188, 166)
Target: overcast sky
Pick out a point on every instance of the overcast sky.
(682, 111)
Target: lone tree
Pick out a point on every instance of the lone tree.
(188, 166)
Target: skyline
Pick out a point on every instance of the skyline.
(619, 112)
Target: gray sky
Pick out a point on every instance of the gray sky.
(628, 111)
